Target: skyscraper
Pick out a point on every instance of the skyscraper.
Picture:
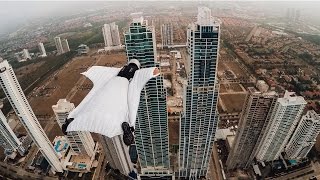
(80, 142)
(117, 154)
(115, 34)
(253, 122)
(19, 103)
(200, 117)
(151, 134)
(167, 35)
(65, 45)
(8, 140)
(284, 118)
(111, 35)
(25, 54)
(58, 44)
(42, 50)
(304, 137)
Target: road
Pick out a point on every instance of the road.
(99, 172)
(214, 166)
(13, 172)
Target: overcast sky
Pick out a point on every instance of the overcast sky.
(15, 14)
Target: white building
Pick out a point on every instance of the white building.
(65, 45)
(42, 50)
(81, 142)
(8, 140)
(284, 119)
(262, 86)
(58, 44)
(70, 160)
(19, 103)
(117, 154)
(304, 136)
(82, 49)
(115, 34)
(111, 35)
(107, 35)
(25, 54)
(200, 116)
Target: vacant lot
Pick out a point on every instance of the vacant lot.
(28, 69)
(231, 102)
(231, 88)
(59, 85)
(233, 66)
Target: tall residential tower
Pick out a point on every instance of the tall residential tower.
(151, 134)
(253, 123)
(19, 103)
(200, 117)
(65, 45)
(284, 119)
(57, 41)
(81, 142)
(111, 35)
(42, 50)
(8, 140)
(304, 137)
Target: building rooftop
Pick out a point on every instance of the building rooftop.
(291, 99)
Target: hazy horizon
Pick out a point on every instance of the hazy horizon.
(16, 14)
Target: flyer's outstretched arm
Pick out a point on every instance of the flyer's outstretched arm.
(100, 74)
(138, 82)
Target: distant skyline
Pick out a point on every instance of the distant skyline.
(17, 14)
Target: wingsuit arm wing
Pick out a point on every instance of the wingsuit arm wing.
(140, 79)
(98, 74)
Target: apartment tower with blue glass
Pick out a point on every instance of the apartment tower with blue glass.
(151, 133)
(200, 117)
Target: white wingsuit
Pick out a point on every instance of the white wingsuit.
(112, 101)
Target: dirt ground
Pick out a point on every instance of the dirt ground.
(230, 88)
(27, 69)
(232, 102)
(233, 66)
(173, 132)
(62, 82)
(60, 85)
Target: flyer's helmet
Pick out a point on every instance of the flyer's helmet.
(136, 62)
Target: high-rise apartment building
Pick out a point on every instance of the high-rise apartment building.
(111, 35)
(58, 44)
(167, 35)
(151, 134)
(115, 34)
(117, 154)
(284, 119)
(106, 31)
(8, 140)
(81, 142)
(26, 54)
(42, 50)
(304, 137)
(19, 103)
(200, 117)
(65, 45)
(253, 123)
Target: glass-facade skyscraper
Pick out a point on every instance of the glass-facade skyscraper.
(151, 133)
(200, 117)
